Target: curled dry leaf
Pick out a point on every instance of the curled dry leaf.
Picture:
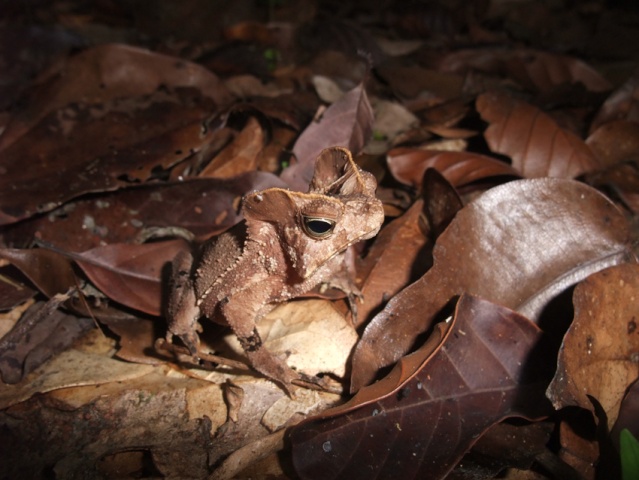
(421, 419)
(247, 455)
(599, 355)
(241, 155)
(395, 259)
(460, 168)
(537, 145)
(346, 123)
(519, 244)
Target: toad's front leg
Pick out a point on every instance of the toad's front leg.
(241, 312)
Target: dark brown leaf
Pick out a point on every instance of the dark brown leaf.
(537, 146)
(598, 357)
(203, 207)
(503, 446)
(460, 168)
(411, 81)
(131, 274)
(119, 148)
(441, 202)
(49, 271)
(519, 244)
(421, 419)
(578, 449)
(130, 129)
(347, 123)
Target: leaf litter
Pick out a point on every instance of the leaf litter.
(509, 176)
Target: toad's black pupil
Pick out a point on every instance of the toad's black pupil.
(319, 226)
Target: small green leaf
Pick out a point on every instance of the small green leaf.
(272, 56)
(378, 136)
(629, 455)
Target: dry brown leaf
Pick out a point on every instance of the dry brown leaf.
(614, 142)
(69, 369)
(43, 331)
(460, 168)
(131, 274)
(519, 244)
(537, 145)
(395, 259)
(417, 422)
(598, 357)
(577, 450)
(314, 337)
(347, 123)
(241, 155)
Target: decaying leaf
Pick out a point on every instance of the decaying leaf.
(99, 159)
(128, 128)
(419, 420)
(441, 202)
(599, 355)
(519, 244)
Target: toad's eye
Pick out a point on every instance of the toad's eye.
(317, 227)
